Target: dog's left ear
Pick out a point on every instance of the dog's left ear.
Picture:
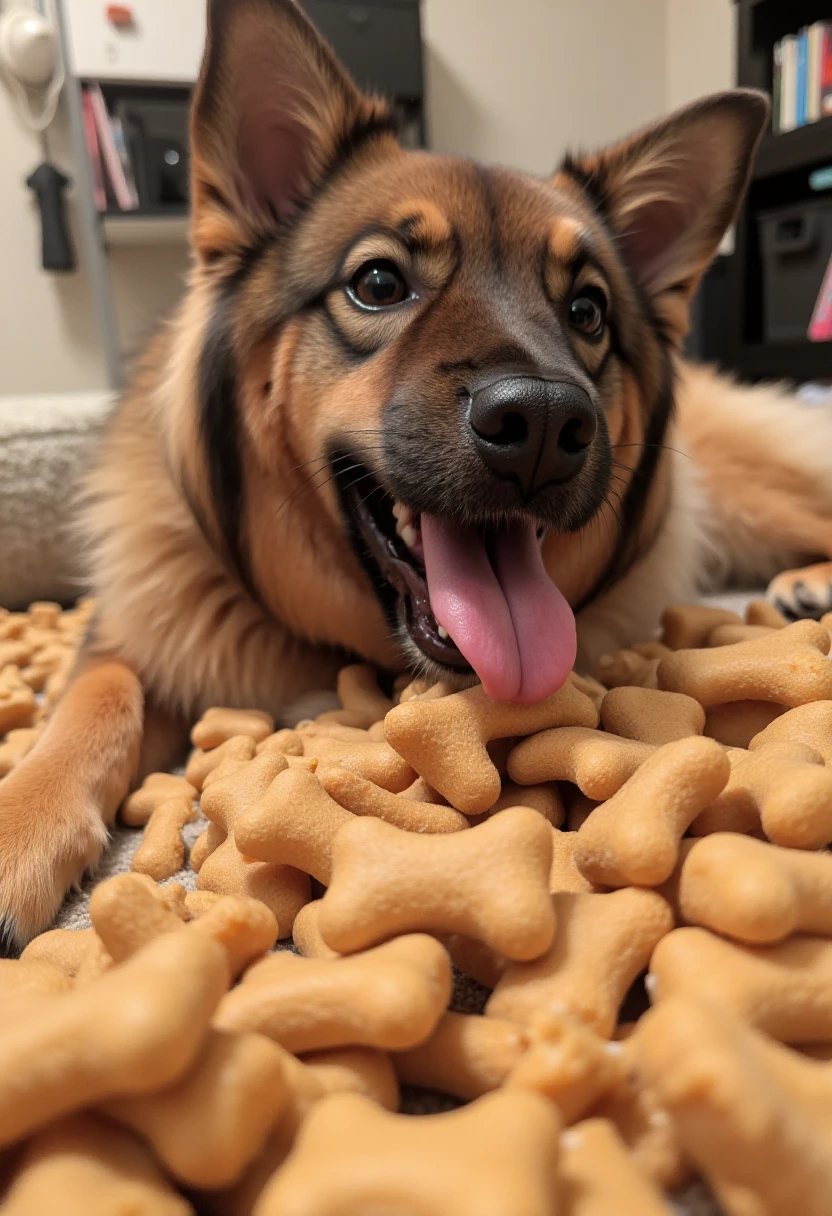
(273, 112)
(670, 192)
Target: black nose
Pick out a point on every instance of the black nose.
(532, 431)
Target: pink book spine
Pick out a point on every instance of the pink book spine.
(99, 193)
(820, 327)
(109, 152)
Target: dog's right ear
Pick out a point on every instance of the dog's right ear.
(273, 113)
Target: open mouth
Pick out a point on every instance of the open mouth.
(471, 599)
(388, 539)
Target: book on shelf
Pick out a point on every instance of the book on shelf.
(99, 192)
(802, 77)
(114, 155)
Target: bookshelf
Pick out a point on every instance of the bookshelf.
(783, 176)
(145, 55)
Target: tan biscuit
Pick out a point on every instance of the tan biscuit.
(306, 933)
(287, 742)
(18, 706)
(597, 763)
(602, 943)
(753, 1115)
(752, 891)
(86, 1166)
(564, 874)
(758, 983)
(138, 1028)
(810, 724)
(420, 791)
(568, 1063)
(446, 739)
(496, 1155)
(197, 902)
(16, 746)
(63, 948)
(783, 788)
(789, 667)
(126, 915)
(201, 763)
(736, 723)
(475, 959)
(28, 977)
(283, 889)
(599, 1176)
(363, 798)
(633, 839)
(312, 730)
(466, 1056)
(687, 626)
(625, 668)
(208, 1126)
(391, 997)
(355, 1070)
(761, 612)
(227, 797)
(205, 844)
(161, 853)
(729, 635)
(218, 725)
(650, 716)
(155, 789)
(544, 798)
(651, 650)
(45, 614)
(244, 926)
(360, 694)
(490, 883)
(590, 687)
(425, 689)
(294, 823)
(580, 809)
(376, 762)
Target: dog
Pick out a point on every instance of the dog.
(415, 410)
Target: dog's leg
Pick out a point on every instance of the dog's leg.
(804, 592)
(55, 806)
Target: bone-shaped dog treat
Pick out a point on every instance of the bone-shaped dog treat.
(363, 798)
(564, 874)
(736, 723)
(729, 635)
(590, 687)
(496, 1156)
(226, 798)
(752, 891)
(138, 1028)
(753, 1115)
(688, 626)
(789, 667)
(205, 844)
(784, 990)
(306, 933)
(467, 1056)
(376, 762)
(355, 1070)
(580, 809)
(87, 1166)
(808, 724)
(782, 787)
(35, 978)
(626, 668)
(210, 1124)
(544, 798)
(597, 763)
(360, 696)
(294, 823)
(599, 1176)
(18, 706)
(475, 959)
(650, 716)
(283, 889)
(445, 739)
(568, 1063)
(201, 763)
(62, 948)
(218, 725)
(602, 943)
(633, 839)
(287, 742)
(155, 789)
(161, 853)
(16, 746)
(761, 612)
(391, 997)
(491, 883)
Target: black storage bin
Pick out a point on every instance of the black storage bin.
(796, 244)
(156, 130)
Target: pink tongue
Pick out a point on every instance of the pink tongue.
(508, 619)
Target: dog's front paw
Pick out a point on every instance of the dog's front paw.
(803, 593)
(48, 838)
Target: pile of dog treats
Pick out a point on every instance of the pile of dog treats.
(669, 817)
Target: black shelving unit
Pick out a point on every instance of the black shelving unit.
(781, 176)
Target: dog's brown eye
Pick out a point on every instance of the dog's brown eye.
(379, 285)
(587, 312)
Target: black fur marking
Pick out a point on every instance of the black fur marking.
(590, 183)
(492, 212)
(219, 421)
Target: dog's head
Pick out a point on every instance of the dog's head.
(437, 362)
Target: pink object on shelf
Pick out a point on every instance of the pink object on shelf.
(820, 326)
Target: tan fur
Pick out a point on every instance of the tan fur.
(296, 184)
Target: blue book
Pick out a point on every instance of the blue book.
(802, 75)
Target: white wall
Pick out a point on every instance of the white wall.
(511, 81)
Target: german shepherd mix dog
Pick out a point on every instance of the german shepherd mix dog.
(412, 409)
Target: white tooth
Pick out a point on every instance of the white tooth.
(398, 508)
(443, 633)
(409, 535)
